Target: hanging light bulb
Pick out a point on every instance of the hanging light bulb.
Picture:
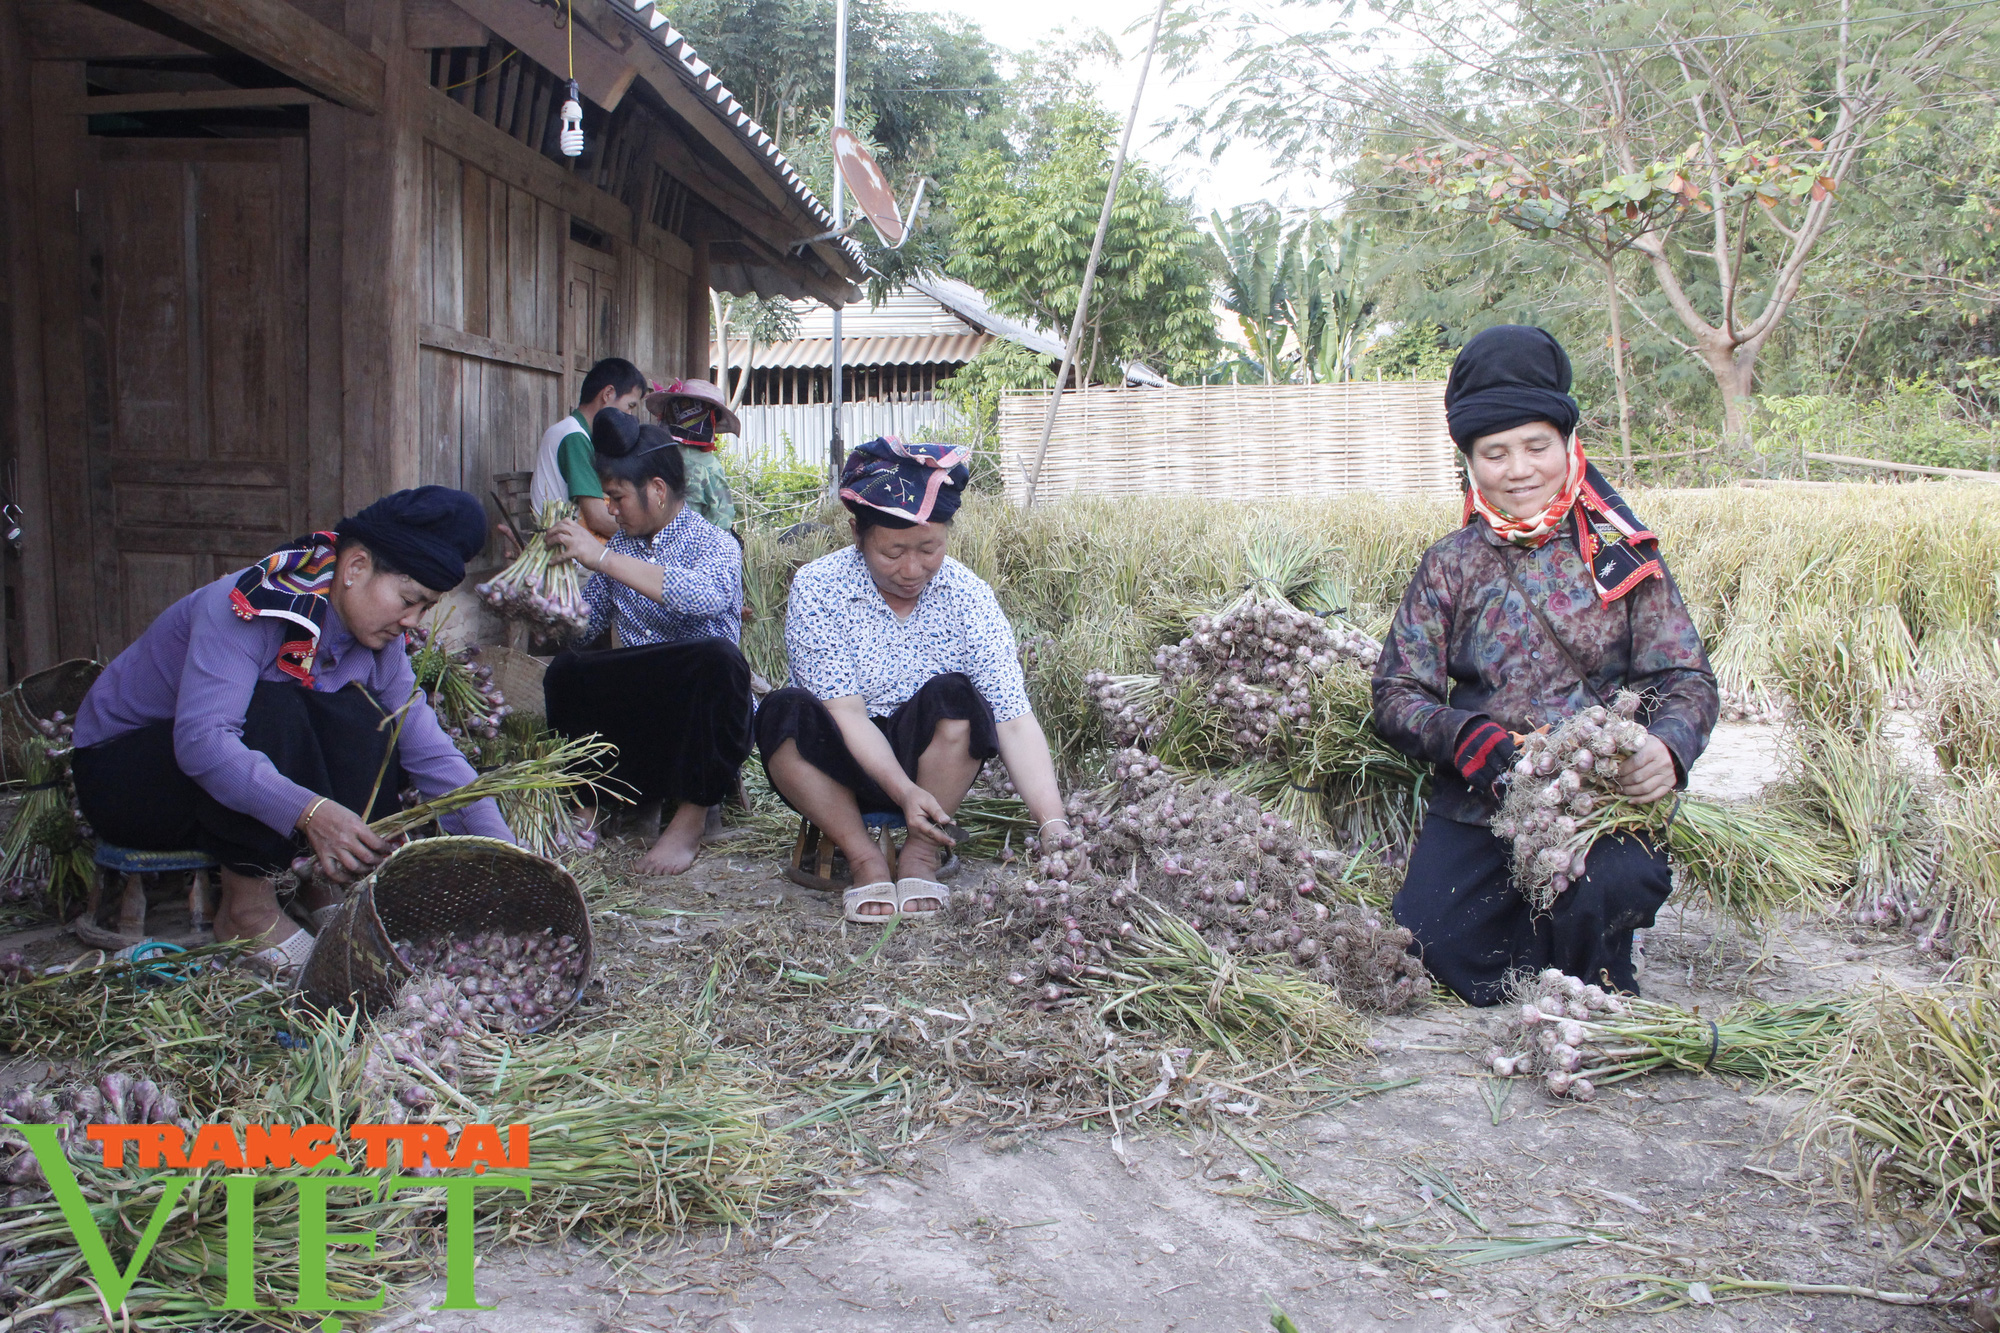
(572, 124)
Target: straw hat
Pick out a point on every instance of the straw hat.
(701, 391)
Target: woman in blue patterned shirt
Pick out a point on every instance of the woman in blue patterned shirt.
(904, 681)
(673, 692)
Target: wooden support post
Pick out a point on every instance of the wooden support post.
(132, 907)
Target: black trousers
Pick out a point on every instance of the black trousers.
(134, 794)
(793, 714)
(1473, 927)
(679, 714)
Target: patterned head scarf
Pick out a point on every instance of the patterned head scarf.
(908, 483)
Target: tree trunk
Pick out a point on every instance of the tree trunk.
(1618, 364)
(1735, 371)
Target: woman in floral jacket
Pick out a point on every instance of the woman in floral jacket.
(1552, 596)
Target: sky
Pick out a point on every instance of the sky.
(1246, 173)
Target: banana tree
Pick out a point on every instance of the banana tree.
(1327, 284)
(1249, 249)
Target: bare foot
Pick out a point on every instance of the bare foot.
(919, 859)
(679, 842)
(250, 911)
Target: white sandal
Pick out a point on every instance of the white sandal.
(283, 962)
(882, 891)
(917, 890)
(322, 916)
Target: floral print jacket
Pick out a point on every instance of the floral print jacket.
(1463, 646)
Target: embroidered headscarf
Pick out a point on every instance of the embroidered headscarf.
(1508, 376)
(908, 483)
(427, 533)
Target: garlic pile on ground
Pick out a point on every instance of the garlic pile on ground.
(1552, 1034)
(509, 982)
(116, 1099)
(417, 1039)
(1255, 663)
(1242, 877)
(1560, 777)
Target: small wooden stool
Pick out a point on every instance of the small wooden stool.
(135, 867)
(813, 866)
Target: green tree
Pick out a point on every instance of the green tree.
(1712, 138)
(1022, 226)
(1251, 256)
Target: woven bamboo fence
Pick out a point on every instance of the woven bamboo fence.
(1246, 442)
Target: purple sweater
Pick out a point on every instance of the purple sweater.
(197, 666)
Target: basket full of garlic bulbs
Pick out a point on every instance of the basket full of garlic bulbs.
(508, 930)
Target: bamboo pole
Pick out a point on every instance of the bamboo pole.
(1096, 252)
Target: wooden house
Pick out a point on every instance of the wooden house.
(266, 261)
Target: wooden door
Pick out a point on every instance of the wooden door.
(592, 307)
(194, 364)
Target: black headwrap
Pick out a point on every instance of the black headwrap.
(428, 533)
(1505, 377)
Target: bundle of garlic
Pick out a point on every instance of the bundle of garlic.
(1579, 1038)
(1237, 874)
(509, 982)
(116, 1099)
(1251, 666)
(541, 587)
(1550, 1034)
(1561, 779)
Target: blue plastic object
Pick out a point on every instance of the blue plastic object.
(131, 861)
(880, 819)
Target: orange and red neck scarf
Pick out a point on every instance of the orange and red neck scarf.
(1608, 533)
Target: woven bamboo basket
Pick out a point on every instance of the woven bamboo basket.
(454, 886)
(57, 688)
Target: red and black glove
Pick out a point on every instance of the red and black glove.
(1485, 753)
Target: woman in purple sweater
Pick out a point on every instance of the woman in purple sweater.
(247, 719)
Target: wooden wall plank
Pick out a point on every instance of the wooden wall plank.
(66, 30)
(444, 238)
(30, 619)
(478, 277)
(326, 162)
(58, 151)
(522, 296)
(440, 381)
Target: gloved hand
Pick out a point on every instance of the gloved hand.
(1485, 754)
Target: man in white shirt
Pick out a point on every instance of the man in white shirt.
(564, 466)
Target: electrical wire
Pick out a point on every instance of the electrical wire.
(494, 69)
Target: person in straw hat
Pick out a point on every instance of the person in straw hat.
(695, 413)
(248, 720)
(1551, 597)
(905, 680)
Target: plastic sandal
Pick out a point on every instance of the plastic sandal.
(283, 962)
(914, 890)
(882, 891)
(322, 916)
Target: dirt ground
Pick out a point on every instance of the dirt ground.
(1154, 1229)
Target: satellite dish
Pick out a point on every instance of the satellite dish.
(870, 188)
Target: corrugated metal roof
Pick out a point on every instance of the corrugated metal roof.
(696, 74)
(859, 353)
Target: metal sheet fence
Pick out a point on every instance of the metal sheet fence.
(1250, 441)
(775, 432)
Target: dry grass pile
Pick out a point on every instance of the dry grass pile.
(637, 1131)
(1883, 819)
(1961, 718)
(879, 1039)
(1908, 1098)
